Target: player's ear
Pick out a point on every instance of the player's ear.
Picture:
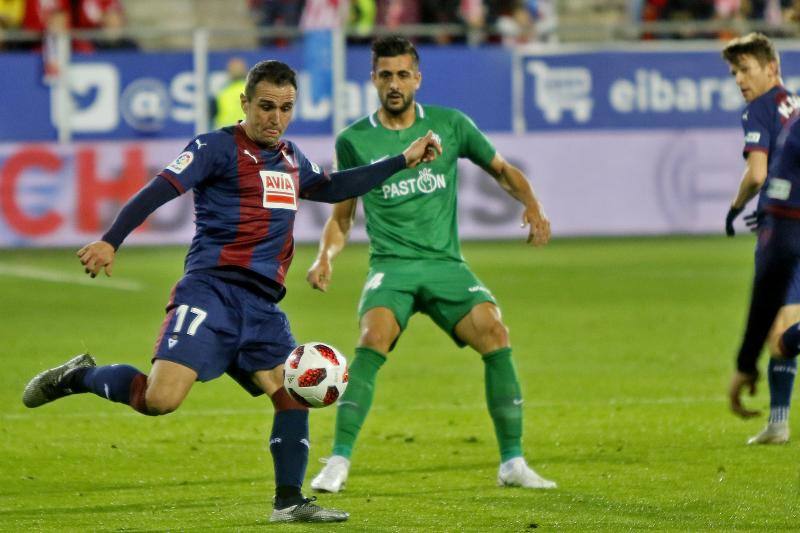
(243, 102)
(418, 75)
(772, 67)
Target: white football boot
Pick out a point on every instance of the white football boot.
(774, 433)
(516, 473)
(333, 476)
(308, 511)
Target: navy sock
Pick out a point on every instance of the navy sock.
(111, 382)
(780, 376)
(289, 446)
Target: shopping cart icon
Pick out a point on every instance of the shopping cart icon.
(560, 89)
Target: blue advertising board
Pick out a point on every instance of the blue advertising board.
(634, 90)
(125, 95)
(134, 95)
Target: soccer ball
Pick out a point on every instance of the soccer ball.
(315, 374)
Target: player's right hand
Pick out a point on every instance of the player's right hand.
(739, 382)
(423, 150)
(539, 232)
(319, 275)
(733, 212)
(97, 255)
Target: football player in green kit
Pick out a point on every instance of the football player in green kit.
(415, 257)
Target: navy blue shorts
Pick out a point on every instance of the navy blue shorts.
(214, 327)
(793, 292)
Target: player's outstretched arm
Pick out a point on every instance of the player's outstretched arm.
(100, 254)
(332, 242)
(755, 173)
(514, 182)
(356, 181)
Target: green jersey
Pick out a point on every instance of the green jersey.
(413, 214)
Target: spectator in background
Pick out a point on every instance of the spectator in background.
(362, 18)
(105, 15)
(545, 13)
(774, 13)
(771, 11)
(11, 14)
(226, 108)
(441, 12)
(277, 14)
(678, 11)
(50, 19)
(394, 13)
(728, 11)
(45, 17)
(524, 21)
(473, 13)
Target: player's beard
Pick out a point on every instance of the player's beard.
(396, 111)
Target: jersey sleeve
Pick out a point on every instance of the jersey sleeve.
(345, 156)
(755, 123)
(309, 173)
(473, 144)
(200, 160)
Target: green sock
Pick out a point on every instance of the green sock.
(504, 399)
(357, 399)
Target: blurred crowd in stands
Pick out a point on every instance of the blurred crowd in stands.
(506, 21)
(474, 22)
(776, 13)
(46, 18)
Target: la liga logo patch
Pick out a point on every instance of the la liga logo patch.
(181, 162)
(279, 190)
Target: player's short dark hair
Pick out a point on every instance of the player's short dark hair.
(275, 72)
(393, 46)
(754, 44)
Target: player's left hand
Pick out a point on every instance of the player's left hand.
(733, 212)
(97, 255)
(539, 226)
(739, 382)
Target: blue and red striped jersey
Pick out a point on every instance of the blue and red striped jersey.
(782, 196)
(245, 197)
(762, 122)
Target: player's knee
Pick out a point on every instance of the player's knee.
(376, 339)
(495, 335)
(160, 403)
(775, 347)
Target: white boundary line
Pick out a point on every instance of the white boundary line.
(56, 276)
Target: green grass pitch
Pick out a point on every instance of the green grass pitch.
(624, 348)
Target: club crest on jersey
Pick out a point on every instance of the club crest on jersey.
(181, 162)
(279, 191)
